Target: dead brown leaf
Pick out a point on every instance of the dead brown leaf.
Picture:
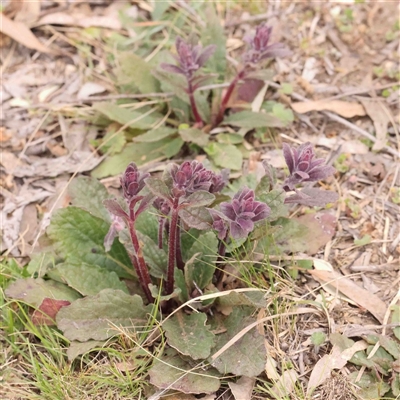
(360, 296)
(380, 116)
(243, 388)
(21, 33)
(344, 108)
(284, 386)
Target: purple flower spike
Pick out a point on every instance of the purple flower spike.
(190, 177)
(239, 215)
(303, 166)
(190, 58)
(260, 47)
(132, 181)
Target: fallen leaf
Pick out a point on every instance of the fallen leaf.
(89, 89)
(380, 115)
(360, 296)
(21, 33)
(344, 108)
(47, 311)
(284, 386)
(336, 360)
(243, 388)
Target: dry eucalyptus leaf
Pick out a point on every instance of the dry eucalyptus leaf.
(21, 33)
(362, 297)
(344, 108)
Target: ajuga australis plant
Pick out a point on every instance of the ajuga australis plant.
(192, 57)
(184, 198)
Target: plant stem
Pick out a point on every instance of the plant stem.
(169, 287)
(179, 261)
(161, 225)
(221, 255)
(224, 103)
(140, 264)
(199, 121)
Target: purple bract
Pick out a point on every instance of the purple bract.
(239, 215)
(303, 166)
(190, 58)
(132, 181)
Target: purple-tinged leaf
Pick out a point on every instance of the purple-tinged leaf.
(159, 188)
(115, 208)
(206, 54)
(172, 68)
(198, 218)
(200, 198)
(312, 197)
(47, 311)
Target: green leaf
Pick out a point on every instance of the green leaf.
(79, 236)
(396, 320)
(213, 33)
(155, 258)
(275, 200)
(174, 373)
(200, 270)
(133, 69)
(147, 223)
(159, 8)
(158, 187)
(200, 198)
(173, 147)
(41, 263)
(99, 317)
(140, 153)
(282, 113)
(156, 293)
(196, 217)
(154, 135)
(189, 334)
(225, 155)
(180, 283)
(235, 299)
(247, 355)
(366, 239)
(76, 349)
(133, 119)
(250, 119)
(34, 291)
(317, 338)
(88, 279)
(112, 143)
(196, 136)
(229, 138)
(89, 194)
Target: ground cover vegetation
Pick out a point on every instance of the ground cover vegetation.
(186, 282)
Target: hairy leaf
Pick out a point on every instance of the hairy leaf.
(98, 317)
(312, 197)
(133, 69)
(247, 355)
(235, 299)
(189, 334)
(140, 153)
(147, 223)
(89, 194)
(134, 119)
(201, 269)
(195, 136)
(225, 155)
(173, 372)
(34, 291)
(88, 279)
(197, 199)
(198, 218)
(78, 235)
(154, 135)
(158, 187)
(275, 200)
(250, 119)
(76, 348)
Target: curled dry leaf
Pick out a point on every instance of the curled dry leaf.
(243, 388)
(344, 108)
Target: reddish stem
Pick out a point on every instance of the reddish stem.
(169, 287)
(140, 264)
(221, 255)
(179, 261)
(197, 117)
(224, 103)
